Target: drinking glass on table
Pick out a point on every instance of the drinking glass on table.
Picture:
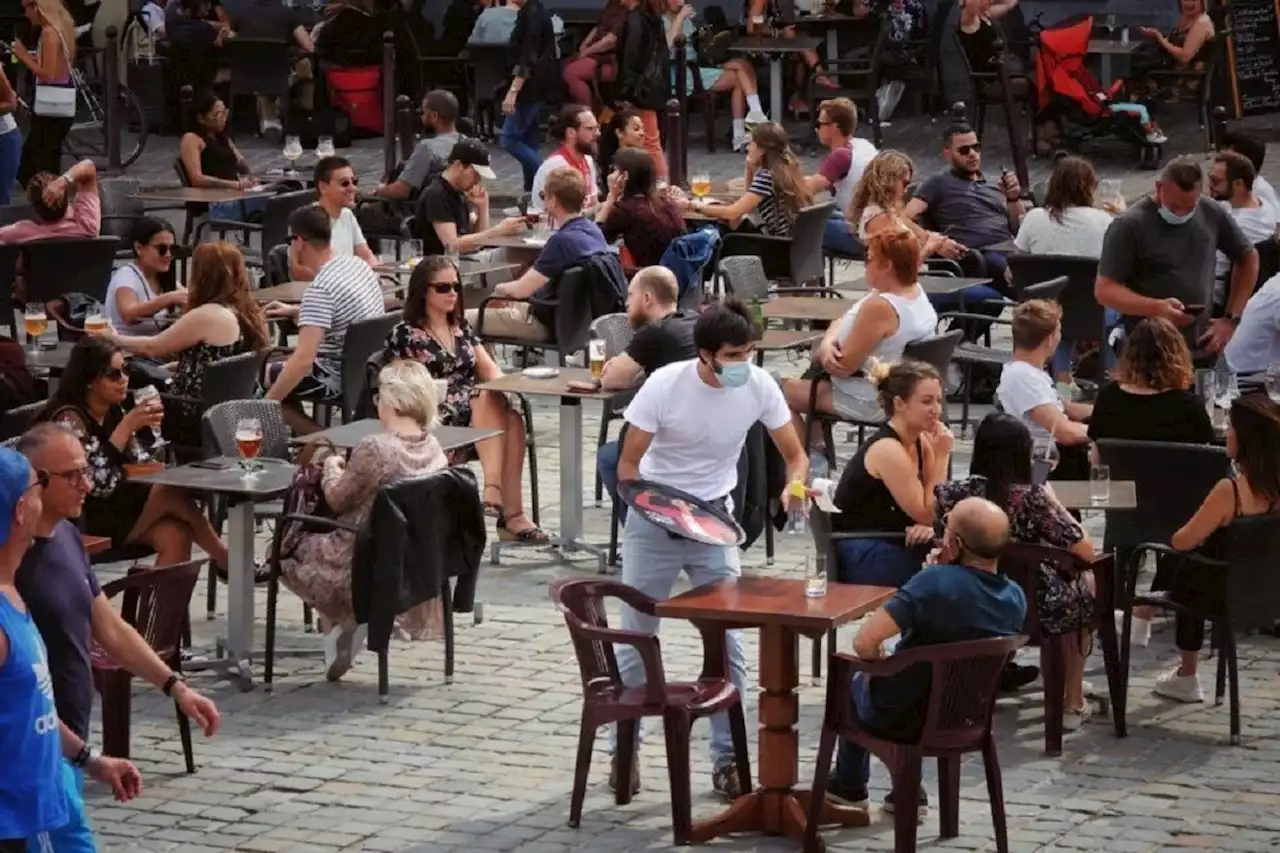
(1099, 484)
(1110, 198)
(324, 147)
(700, 185)
(1206, 388)
(292, 152)
(1044, 457)
(148, 396)
(1273, 381)
(249, 444)
(412, 252)
(34, 323)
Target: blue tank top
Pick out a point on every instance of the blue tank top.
(34, 801)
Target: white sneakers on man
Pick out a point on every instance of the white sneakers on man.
(1179, 688)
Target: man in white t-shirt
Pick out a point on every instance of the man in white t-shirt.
(841, 169)
(686, 428)
(1256, 150)
(1026, 391)
(578, 130)
(336, 187)
(1232, 180)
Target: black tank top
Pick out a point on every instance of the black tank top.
(865, 502)
(980, 46)
(218, 159)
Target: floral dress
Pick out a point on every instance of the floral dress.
(458, 368)
(188, 381)
(319, 570)
(1063, 602)
(113, 503)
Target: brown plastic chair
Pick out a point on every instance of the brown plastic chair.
(1021, 562)
(607, 700)
(962, 695)
(155, 603)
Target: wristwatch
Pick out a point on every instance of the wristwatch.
(86, 756)
(170, 682)
(1233, 319)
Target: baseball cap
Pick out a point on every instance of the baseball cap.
(15, 477)
(473, 154)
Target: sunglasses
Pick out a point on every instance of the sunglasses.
(115, 374)
(162, 249)
(966, 150)
(446, 287)
(348, 183)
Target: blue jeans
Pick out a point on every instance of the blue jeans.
(607, 466)
(1061, 362)
(10, 157)
(238, 211)
(853, 763)
(76, 836)
(520, 137)
(652, 559)
(839, 238)
(876, 562)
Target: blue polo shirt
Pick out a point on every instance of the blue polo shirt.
(575, 241)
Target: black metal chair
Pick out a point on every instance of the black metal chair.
(572, 323)
(1083, 318)
(988, 91)
(920, 66)
(362, 340)
(9, 255)
(258, 66)
(231, 378)
(857, 76)
(795, 260)
(272, 230)
(68, 265)
(615, 330)
(488, 72)
(15, 422)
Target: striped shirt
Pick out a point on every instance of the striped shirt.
(772, 218)
(345, 291)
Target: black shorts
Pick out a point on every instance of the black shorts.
(309, 387)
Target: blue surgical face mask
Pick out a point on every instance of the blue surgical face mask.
(735, 374)
(1174, 219)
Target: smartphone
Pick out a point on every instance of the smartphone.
(1193, 310)
(214, 464)
(532, 219)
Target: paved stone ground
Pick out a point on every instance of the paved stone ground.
(486, 764)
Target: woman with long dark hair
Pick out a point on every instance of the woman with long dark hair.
(624, 130)
(1068, 223)
(137, 291)
(51, 66)
(211, 159)
(646, 221)
(1253, 434)
(1000, 471)
(435, 333)
(88, 401)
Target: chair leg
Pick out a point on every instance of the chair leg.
(906, 795)
(308, 620)
(826, 746)
(117, 705)
(625, 759)
(613, 535)
(995, 793)
(269, 653)
(741, 752)
(1233, 674)
(211, 594)
(676, 727)
(533, 461)
(184, 732)
(1221, 687)
(604, 436)
(586, 741)
(446, 607)
(384, 678)
(1053, 671)
(709, 122)
(948, 795)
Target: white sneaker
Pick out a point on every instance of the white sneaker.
(1155, 137)
(343, 646)
(755, 117)
(1180, 688)
(887, 98)
(1073, 720)
(1139, 629)
(740, 142)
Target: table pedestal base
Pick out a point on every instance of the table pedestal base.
(775, 813)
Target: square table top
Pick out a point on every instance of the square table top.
(514, 242)
(1074, 494)
(291, 291)
(467, 269)
(775, 45)
(784, 339)
(554, 386)
(941, 285)
(54, 360)
(274, 478)
(95, 544)
(349, 435)
(829, 19)
(196, 195)
(757, 601)
(805, 308)
(1112, 47)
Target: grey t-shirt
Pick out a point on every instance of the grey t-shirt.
(431, 155)
(973, 213)
(1155, 259)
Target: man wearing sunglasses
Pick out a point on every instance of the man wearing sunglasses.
(336, 187)
(39, 796)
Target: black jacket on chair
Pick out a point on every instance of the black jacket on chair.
(429, 529)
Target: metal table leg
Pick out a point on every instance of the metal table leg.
(236, 652)
(776, 112)
(570, 538)
(833, 47)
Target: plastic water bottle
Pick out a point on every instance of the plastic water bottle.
(797, 517)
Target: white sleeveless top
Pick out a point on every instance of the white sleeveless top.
(916, 320)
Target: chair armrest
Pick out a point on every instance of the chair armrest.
(224, 225)
(1159, 548)
(143, 577)
(319, 521)
(891, 665)
(821, 290)
(968, 315)
(870, 534)
(646, 646)
(943, 266)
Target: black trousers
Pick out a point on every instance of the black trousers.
(42, 147)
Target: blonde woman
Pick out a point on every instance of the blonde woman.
(319, 572)
(880, 197)
(776, 188)
(51, 66)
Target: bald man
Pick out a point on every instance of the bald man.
(959, 597)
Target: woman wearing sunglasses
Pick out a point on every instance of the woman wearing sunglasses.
(89, 402)
(434, 333)
(137, 290)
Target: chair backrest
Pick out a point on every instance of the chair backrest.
(616, 332)
(1082, 316)
(1253, 588)
(1050, 290)
(744, 277)
(218, 427)
(232, 378)
(935, 350)
(1268, 261)
(9, 254)
(1171, 480)
(806, 243)
(582, 603)
(275, 266)
(362, 340)
(119, 209)
(489, 63)
(181, 169)
(155, 601)
(69, 265)
(962, 690)
(1021, 562)
(275, 218)
(15, 422)
(16, 212)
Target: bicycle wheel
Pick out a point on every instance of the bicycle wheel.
(87, 138)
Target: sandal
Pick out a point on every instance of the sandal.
(261, 574)
(492, 509)
(532, 535)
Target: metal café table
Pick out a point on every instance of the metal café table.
(292, 291)
(1107, 48)
(1074, 494)
(783, 340)
(195, 195)
(347, 436)
(775, 50)
(805, 308)
(570, 538)
(830, 22)
(467, 269)
(945, 285)
(236, 650)
(53, 359)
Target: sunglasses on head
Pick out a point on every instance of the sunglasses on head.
(446, 287)
(965, 150)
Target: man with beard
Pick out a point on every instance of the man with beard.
(431, 156)
(662, 335)
(453, 211)
(1232, 184)
(578, 129)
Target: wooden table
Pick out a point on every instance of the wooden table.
(1107, 48)
(775, 50)
(779, 608)
(195, 195)
(1074, 494)
(347, 436)
(95, 544)
(807, 308)
(570, 538)
(780, 340)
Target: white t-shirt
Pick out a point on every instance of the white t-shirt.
(1024, 387)
(1256, 343)
(345, 233)
(127, 277)
(1265, 192)
(698, 431)
(1079, 233)
(557, 161)
(1258, 224)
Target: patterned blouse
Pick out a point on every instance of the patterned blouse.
(106, 463)
(188, 381)
(458, 368)
(1034, 517)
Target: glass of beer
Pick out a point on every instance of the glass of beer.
(34, 323)
(95, 323)
(700, 185)
(150, 397)
(249, 444)
(595, 353)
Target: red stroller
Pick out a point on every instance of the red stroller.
(1074, 100)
